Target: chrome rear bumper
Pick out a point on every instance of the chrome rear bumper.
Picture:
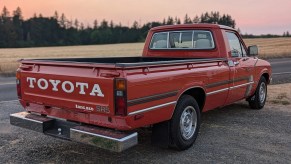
(108, 139)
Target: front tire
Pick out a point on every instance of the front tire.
(185, 123)
(258, 100)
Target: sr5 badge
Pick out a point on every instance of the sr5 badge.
(102, 109)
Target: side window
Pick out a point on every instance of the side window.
(235, 45)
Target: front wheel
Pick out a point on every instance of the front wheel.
(185, 123)
(258, 100)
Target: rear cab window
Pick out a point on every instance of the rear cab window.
(187, 39)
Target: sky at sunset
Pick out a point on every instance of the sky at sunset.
(252, 16)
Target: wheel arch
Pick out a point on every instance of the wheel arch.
(266, 75)
(198, 93)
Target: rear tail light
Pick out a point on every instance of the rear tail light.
(18, 82)
(120, 97)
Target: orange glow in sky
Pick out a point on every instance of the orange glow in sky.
(252, 16)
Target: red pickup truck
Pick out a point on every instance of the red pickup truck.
(184, 70)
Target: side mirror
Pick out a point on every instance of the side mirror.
(253, 50)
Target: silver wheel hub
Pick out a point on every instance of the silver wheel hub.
(262, 92)
(188, 122)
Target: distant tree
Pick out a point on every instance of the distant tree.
(111, 24)
(214, 17)
(287, 34)
(135, 25)
(63, 20)
(70, 23)
(177, 20)
(76, 24)
(196, 19)
(18, 13)
(227, 20)
(95, 24)
(204, 18)
(56, 16)
(104, 24)
(187, 19)
(5, 13)
(18, 22)
(82, 27)
(164, 21)
(57, 30)
(170, 21)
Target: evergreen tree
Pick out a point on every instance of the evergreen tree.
(17, 22)
(95, 24)
(187, 19)
(196, 19)
(56, 16)
(135, 25)
(111, 24)
(177, 20)
(59, 31)
(18, 13)
(205, 18)
(76, 24)
(164, 21)
(63, 20)
(5, 13)
(104, 24)
(82, 27)
(170, 21)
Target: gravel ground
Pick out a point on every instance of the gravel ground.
(281, 79)
(233, 134)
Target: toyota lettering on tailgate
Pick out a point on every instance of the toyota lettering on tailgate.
(66, 86)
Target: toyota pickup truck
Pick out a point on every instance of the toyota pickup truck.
(184, 70)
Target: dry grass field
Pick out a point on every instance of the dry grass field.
(269, 48)
(272, 47)
(279, 94)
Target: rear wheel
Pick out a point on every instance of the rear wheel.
(185, 123)
(258, 100)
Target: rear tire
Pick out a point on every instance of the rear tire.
(258, 100)
(185, 123)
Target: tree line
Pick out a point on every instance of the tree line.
(57, 30)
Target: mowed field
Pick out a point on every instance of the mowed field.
(268, 48)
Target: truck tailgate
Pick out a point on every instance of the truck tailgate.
(78, 89)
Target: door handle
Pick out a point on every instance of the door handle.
(236, 63)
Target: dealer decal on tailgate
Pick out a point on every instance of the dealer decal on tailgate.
(66, 86)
